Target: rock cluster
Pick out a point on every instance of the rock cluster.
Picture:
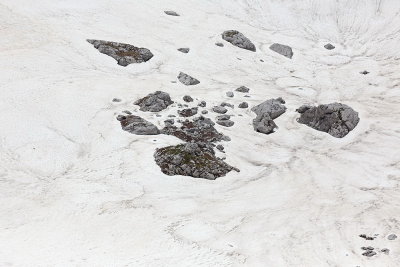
(124, 54)
(238, 39)
(137, 125)
(266, 112)
(187, 79)
(284, 50)
(154, 102)
(335, 119)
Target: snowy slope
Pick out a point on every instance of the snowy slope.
(76, 190)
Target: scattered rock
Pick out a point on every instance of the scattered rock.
(169, 122)
(220, 147)
(242, 89)
(188, 112)
(127, 112)
(116, 100)
(392, 237)
(223, 117)
(225, 123)
(367, 248)
(229, 94)
(335, 119)
(364, 72)
(273, 107)
(204, 112)
(137, 125)
(171, 116)
(261, 60)
(219, 109)
(224, 104)
(284, 50)
(171, 13)
(202, 104)
(219, 44)
(197, 160)
(243, 105)
(366, 237)
(385, 250)
(187, 79)
(154, 102)
(369, 253)
(264, 124)
(124, 54)
(238, 39)
(184, 50)
(187, 98)
(121, 117)
(329, 46)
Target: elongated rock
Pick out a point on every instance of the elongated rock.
(238, 39)
(187, 79)
(284, 50)
(154, 102)
(137, 125)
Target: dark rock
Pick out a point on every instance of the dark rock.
(171, 13)
(121, 117)
(188, 112)
(187, 79)
(137, 125)
(366, 237)
(392, 237)
(219, 109)
(364, 72)
(223, 117)
(385, 250)
(335, 119)
(169, 122)
(202, 104)
(369, 253)
(204, 112)
(261, 60)
(242, 89)
(124, 54)
(154, 102)
(116, 100)
(273, 107)
(197, 160)
(219, 44)
(367, 248)
(284, 50)
(127, 112)
(184, 50)
(243, 105)
(264, 124)
(238, 39)
(229, 94)
(329, 46)
(224, 104)
(171, 116)
(246, 96)
(220, 147)
(187, 98)
(226, 123)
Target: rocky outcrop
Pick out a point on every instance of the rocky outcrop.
(335, 119)
(188, 112)
(187, 79)
(284, 50)
(238, 39)
(154, 102)
(266, 112)
(124, 54)
(137, 125)
(191, 159)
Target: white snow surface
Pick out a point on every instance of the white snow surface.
(76, 190)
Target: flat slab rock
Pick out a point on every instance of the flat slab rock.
(191, 159)
(187, 79)
(124, 54)
(238, 39)
(137, 125)
(335, 119)
(154, 102)
(266, 112)
(284, 50)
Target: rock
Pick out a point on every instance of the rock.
(385, 250)
(169, 122)
(261, 60)
(392, 237)
(204, 112)
(197, 160)
(220, 147)
(364, 72)
(243, 105)
(329, 46)
(369, 253)
(188, 112)
(246, 96)
(137, 125)
(229, 94)
(335, 119)
(116, 100)
(187, 98)
(184, 50)
(219, 44)
(273, 107)
(154, 102)
(171, 116)
(284, 50)
(219, 109)
(200, 129)
(224, 104)
(238, 39)
(124, 54)
(242, 89)
(127, 112)
(264, 124)
(367, 248)
(366, 237)
(187, 79)
(171, 13)
(202, 104)
(226, 123)
(223, 117)
(121, 117)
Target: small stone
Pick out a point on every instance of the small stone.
(385, 250)
(127, 112)
(187, 98)
(226, 123)
(202, 104)
(116, 100)
(329, 46)
(204, 112)
(219, 44)
(171, 116)
(392, 237)
(243, 105)
(369, 253)
(364, 72)
(242, 89)
(224, 104)
(158, 115)
(238, 39)
(121, 117)
(246, 96)
(187, 79)
(229, 94)
(220, 147)
(367, 248)
(171, 13)
(184, 50)
(261, 60)
(169, 122)
(219, 109)
(188, 112)
(223, 117)
(284, 50)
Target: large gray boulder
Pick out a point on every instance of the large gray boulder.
(335, 119)
(219, 110)
(124, 54)
(187, 79)
(284, 50)
(154, 102)
(137, 125)
(273, 107)
(264, 124)
(238, 39)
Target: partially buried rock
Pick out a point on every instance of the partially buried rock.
(219, 44)
(197, 160)
(329, 46)
(224, 104)
(219, 109)
(137, 125)
(392, 237)
(187, 98)
(242, 89)
(243, 105)
(238, 39)
(202, 104)
(229, 94)
(154, 102)
(264, 124)
(188, 112)
(284, 50)
(184, 50)
(171, 13)
(266, 113)
(364, 72)
(225, 123)
(187, 79)
(335, 119)
(124, 54)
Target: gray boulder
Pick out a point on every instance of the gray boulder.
(219, 109)
(392, 237)
(273, 107)
(188, 112)
(284, 50)
(335, 119)
(124, 54)
(225, 123)
(243, 105)
(264, 124)
(242, 89)
(154, 102)
(202, 104)
(224, 104)
(238, 39)
(329, 46)
(229, 94)
(187, 98)
(219, 44)
(137, 125)
(184, 50)
(171, 13)
(187, 79)
(204, 112)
